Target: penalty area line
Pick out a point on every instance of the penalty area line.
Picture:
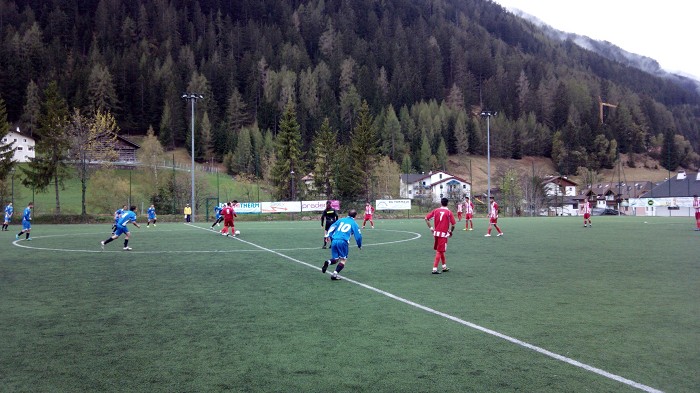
(474, 326)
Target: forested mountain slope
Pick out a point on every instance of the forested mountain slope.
(426, 69)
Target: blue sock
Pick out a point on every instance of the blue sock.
(339, 267)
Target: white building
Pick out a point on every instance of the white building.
(433, 186)
(23, 144)
(562, 195)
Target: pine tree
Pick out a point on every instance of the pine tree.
(6, 150)
(32, 109)
(244, 152)
(324, 145)
(442, 154)
(424, 154)
(393, 141)
(670, 155)
(364, 150)
(49, 165)
(460, 132)
(236, 118)
(101, 93)
(288, 166)
(165, 136)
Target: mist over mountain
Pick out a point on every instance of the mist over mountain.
(612, 52)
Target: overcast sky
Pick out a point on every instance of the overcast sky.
(666, 31)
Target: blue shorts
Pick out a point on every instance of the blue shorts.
(152, 217)
(121, 229)
(7, 218)
(339, 249)
(26, 225)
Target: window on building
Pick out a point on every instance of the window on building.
(20, 148)
(30, 148)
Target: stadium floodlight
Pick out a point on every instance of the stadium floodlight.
(487, 115)
(192, 98)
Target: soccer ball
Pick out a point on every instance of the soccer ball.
(237, 232)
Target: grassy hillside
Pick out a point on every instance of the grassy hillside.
(132, 183)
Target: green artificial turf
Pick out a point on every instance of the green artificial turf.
(191, 311)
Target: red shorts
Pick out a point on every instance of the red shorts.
(697, 215)
(459, 215)
(586, 216)
(440, 244)
(493, 220)
(468, 216)
(368, 217)
(228, 223)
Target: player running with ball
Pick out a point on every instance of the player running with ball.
(444, 226)
(340, 233)
(122, 227)
(229, 214)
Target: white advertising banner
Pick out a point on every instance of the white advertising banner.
(393, 204)
(318, 206)
(281, 207)
(247, 208)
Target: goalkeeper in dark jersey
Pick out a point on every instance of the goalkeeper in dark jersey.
(328, 217)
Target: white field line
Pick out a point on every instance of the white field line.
(513, 340)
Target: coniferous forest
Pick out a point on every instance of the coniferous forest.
(337, 86)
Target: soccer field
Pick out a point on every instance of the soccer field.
(549, 307)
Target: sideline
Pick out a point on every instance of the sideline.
(513, 340)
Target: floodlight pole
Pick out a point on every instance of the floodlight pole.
(487, 115)
(192, 98)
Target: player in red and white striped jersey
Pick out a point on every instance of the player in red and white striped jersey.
(696, 206)
(586, 211)
(369, 210)
(468, 215)
(445, 223)
(493, 218)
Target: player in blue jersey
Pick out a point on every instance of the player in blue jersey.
(217, 216)
(152, 218)
(117, 216)
(26, 222)
(339, 233)
(127, 217)
(9, 210)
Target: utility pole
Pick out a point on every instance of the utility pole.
(192, 98)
